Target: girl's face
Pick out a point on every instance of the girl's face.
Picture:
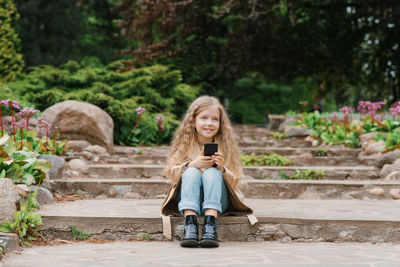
(207, 124)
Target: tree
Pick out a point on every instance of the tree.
(11, 61)
(54, 32)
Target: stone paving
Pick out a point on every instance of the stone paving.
(373, 210)
(228, 254)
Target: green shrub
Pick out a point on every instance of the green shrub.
(156, 88)
(11, 61)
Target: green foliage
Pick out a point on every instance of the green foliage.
(25, 220)
(392, 139)
(79, 235)
(308, 175)
(250, 97)
(21, 166)
(11, 61)
(87, 28)
(146, 236)
(157, 88)
(320, 152)
(265, 160)
(278, 135)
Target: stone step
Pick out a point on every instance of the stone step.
(264, 142)
(304, 160)
(285, 151)
(148, 171)
(298, 220)
(260, 189)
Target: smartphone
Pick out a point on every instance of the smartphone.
(210, 149)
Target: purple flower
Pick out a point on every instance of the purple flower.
(14, 103)
(159, 119)
(140, 110)
(20, 124)
(333, 116)
(347, 110)
(27, 113)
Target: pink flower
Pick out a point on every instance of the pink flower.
(28, 113)
(140, 110)
(159, 119)
(14, 103)
(333, 116)
(20, 124)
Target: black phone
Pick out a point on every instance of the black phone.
(210, 149)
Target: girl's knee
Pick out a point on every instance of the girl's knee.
(212, 176)
(191, 174)
(212, 171)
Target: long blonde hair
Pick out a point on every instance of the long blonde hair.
(185, 137)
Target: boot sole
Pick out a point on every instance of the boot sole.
(189, 243)
(209, 243)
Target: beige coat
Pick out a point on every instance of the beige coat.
(232, 182)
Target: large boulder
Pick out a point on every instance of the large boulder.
(82, 121)
(8, 198)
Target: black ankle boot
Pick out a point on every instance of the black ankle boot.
(210, 232)
(190, 232)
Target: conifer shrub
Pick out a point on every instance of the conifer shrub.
(157, 89)
(11, 61)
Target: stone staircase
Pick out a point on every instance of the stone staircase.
(120, 198)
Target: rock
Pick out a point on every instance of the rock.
(386, 170)
(78, 145)
(305, 155)
(8, 197)
(121, 190)
(387, 158)
(377, 191)
(112, 192)
(278, 234)
(286, 239)
(44, 196)
(22, 189)
(57, 166)
(286, 122)
(124, 160)
(9, 242)
(86, 155)
(395, 193)
(308, 195)
(298, 131)
(366, 137)
(373, 147)
(78, 165)
(96, 149)
(99, 152)
(393, 176)
(82, 121)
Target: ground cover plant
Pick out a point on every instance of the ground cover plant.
(145, 103)
(346, 131)
(320, 152)
(308, 174)
(25, 221)
(272, 159)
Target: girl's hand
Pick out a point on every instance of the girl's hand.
(202, 161)
(219, 159)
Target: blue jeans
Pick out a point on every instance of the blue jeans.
(200, 192)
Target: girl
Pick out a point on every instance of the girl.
(203, 185)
